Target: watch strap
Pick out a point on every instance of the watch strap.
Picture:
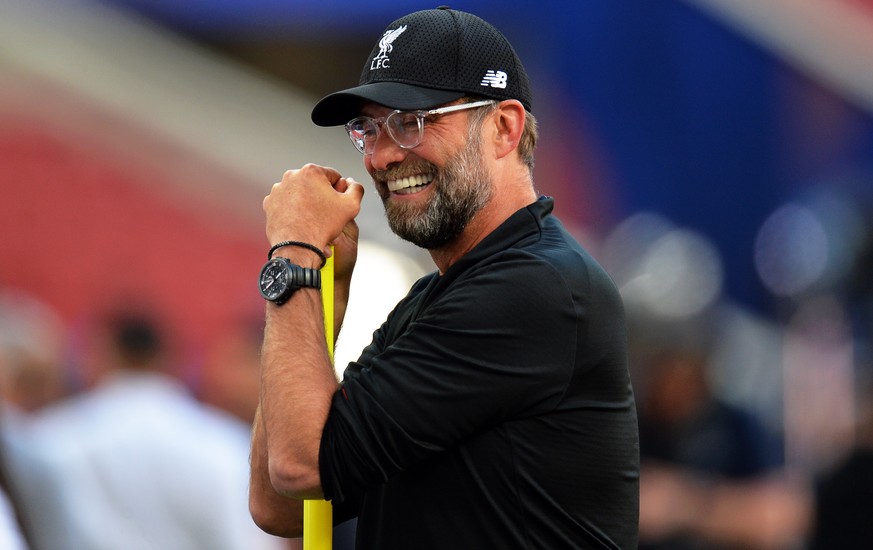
(303, 277)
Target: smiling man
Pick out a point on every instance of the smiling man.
(493, 408)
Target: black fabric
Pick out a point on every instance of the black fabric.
(844, 505)
(493, 409)
(429, 58)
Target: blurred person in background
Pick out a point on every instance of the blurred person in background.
(711, 473)
(844, 492)
(31, 355)
(136, 462)
(13, 535)
(31, 377)
(231, 374)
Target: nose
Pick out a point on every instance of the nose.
(385, 152)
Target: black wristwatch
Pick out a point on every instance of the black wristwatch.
(280, 278)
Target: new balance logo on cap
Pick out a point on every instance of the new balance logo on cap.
(495, 79)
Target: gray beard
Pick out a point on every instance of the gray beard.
(461, 189)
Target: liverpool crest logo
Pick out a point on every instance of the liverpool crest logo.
(386, 44)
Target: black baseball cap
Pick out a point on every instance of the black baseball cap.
(429, 58)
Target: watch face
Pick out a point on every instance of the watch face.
(274, 280)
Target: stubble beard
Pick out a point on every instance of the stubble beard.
(461, 189)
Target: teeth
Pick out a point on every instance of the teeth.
(411, 181)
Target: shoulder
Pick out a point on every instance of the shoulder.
(550, 261)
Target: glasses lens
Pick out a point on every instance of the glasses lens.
(406, 128)
(363, 132)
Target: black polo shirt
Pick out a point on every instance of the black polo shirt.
(493, 409)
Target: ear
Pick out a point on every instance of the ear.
(509, 124)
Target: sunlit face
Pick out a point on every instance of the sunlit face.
(430, 205)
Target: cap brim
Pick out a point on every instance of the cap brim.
(340, 107)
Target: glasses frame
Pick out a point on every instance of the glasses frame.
(367, 146)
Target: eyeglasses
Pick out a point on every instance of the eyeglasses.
(406, 128)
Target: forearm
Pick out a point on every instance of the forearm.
(297, 385)
(769, 512)
(278, 515)
(317, 206)
(765, 513)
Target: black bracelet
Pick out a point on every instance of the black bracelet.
(300, 244)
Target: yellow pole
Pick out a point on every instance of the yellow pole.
(318, 514)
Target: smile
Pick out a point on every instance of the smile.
(409, 184)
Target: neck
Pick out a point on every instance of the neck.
(506, 202)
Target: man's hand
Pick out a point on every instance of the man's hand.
(346, 243)
(316, 205)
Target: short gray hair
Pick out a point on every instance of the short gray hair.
(529, 135)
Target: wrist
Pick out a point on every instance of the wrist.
(287, 246)
(299, 256)
(280, 278)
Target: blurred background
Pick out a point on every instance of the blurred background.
(715, 155)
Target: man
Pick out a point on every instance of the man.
(493, 408)
(135, 461)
